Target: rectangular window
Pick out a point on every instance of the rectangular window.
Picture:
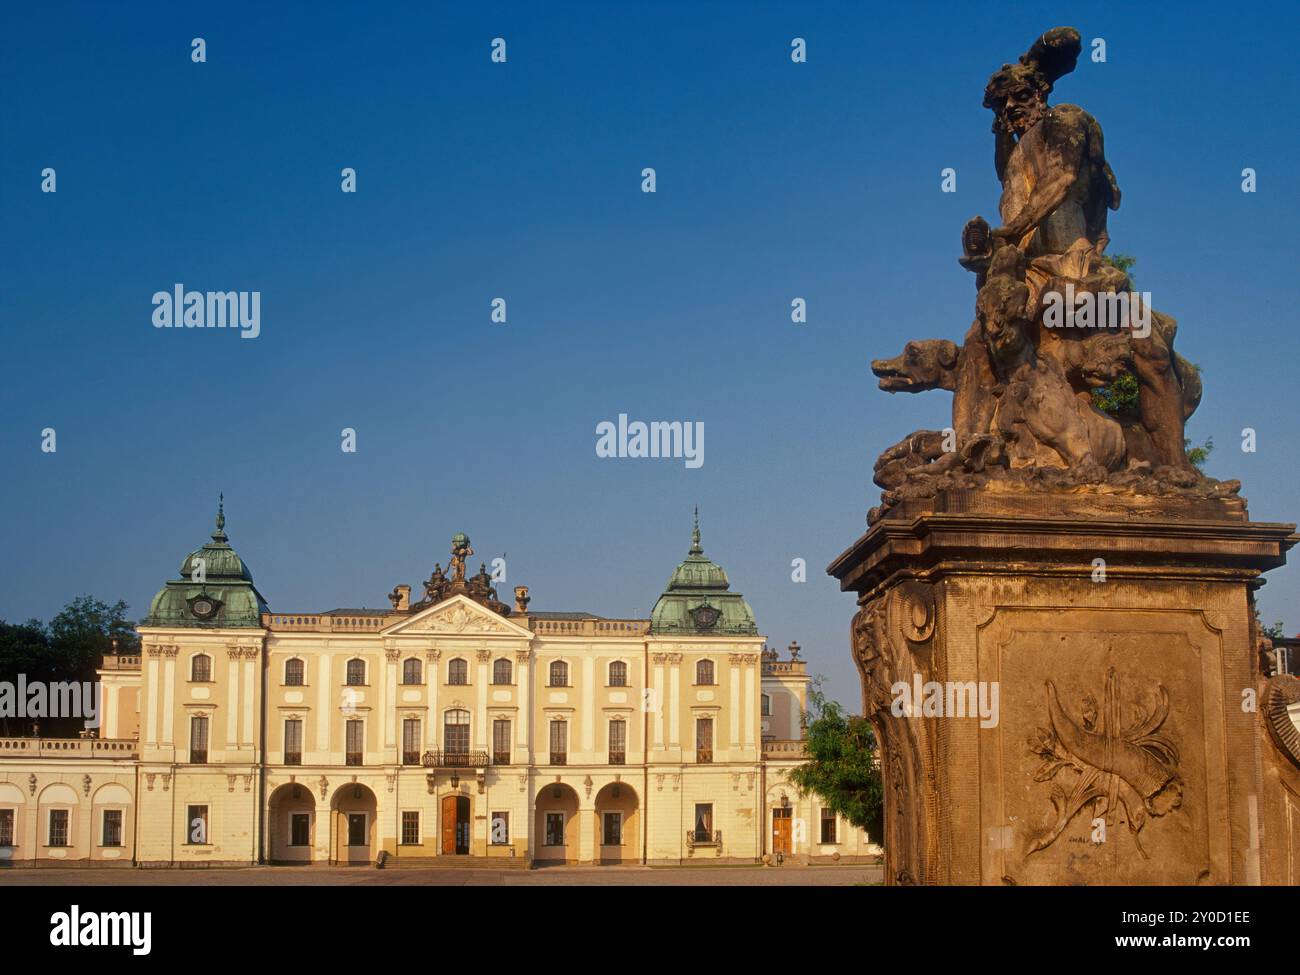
(617, 742)
(455, 732)
(293, 742)
(196, 825)
(704, 740)
(6, 827)
(58, 827)
(704, 822)
(300, 829)
(559, 742)
(554, 829)
(828, 826)
(500, 829)
(356, 731)
(112, 835)
(198, 740)
(411, 741)
(501, 741)
(410, 828)
(357, 830)
(613, 829)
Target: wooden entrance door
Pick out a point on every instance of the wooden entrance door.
(455, 825)
(449, 824)
(781, 822)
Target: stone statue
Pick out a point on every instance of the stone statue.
(1023, 386)
(436, 584)
(460, 551)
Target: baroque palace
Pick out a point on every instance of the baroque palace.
(454, 727)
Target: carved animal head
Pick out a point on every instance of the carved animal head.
(924, 364)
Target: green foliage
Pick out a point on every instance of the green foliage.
(1275, 631)
(1120, 398)
(1124, 262)
(1196, 456)
(69, 649)
(85, 629)
(841, 768)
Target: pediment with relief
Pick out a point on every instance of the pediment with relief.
(455, 616)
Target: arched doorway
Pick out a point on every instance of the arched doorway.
(291, 824)
(355, 830)
(555, 825)
(618, 830)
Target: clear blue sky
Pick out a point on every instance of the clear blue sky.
(522, 180)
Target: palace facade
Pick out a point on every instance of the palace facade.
(449, 729)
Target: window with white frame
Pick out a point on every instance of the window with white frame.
(58, 830)
(111, 833)
(410, 827)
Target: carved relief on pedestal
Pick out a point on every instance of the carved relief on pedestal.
(892, 637)
(1114, 757)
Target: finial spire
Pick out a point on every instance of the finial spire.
(695, 534)
(220, 534)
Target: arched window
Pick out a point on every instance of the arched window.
(618, 674)
(559, 674)
(457, 671)
(293, 673)
(411, 673)
(201, 668)
(455, 731)
(501, 671)
(356, 672)
(704, 672)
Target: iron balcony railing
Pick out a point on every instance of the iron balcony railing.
(439, 758)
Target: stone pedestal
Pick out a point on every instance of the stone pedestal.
(1112, 643)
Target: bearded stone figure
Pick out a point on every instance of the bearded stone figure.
(1024, 391)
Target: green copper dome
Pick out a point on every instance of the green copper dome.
(215, 589)
(698, 599)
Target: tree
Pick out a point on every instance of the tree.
(84, 631)
(1274, 632)
(841, 768)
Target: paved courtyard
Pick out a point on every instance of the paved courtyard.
(820, 876)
